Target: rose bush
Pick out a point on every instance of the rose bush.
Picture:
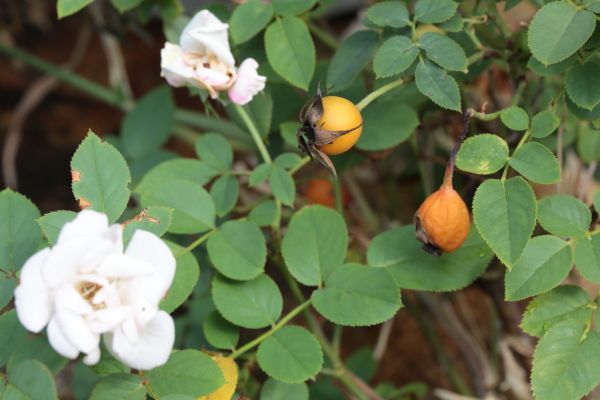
(209, 276)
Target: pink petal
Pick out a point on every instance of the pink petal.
(247, 84)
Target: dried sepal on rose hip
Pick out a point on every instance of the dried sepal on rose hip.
(443, 222)
(331, 125)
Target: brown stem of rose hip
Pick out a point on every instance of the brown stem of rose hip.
(467, 114)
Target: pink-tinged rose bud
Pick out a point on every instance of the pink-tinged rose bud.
(247, 84)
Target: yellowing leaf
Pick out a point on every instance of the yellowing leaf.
(230, 373)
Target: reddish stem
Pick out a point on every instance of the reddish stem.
(467, 114)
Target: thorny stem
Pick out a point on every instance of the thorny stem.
(280, 324)
(194, 244)
(378, 92)
(452, 160)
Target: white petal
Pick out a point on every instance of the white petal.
(137, 292)
(247, 84)
(87, 223)
(124, 266)
(152, 348)
(115, 235)
(69, 299)
(92, 357)
(206, 33)
(64, 260)
(107, 319)
(173, 66)
(209, 77)
(77, 331)
(148, 247)
(32, 298)
(98, 251)
(59, 342)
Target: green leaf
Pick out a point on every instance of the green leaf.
(33, 380)
(148, 125)
(482, 154)
(351, 58)
(125, 5)
(288, 131)
(434, 11)
(444, 51)
(287, 160)
(566, 363)
(225, 191)
(515, 118)
(549, 70)
(283, 186)
(273, 389)
(64, 8)
(215, 151)
(504, 213)
(248, 19)
(587, 257)
(152, 219)
(537, 163)
(120, 386)
(260, 174)
(357, 295)
(238, 250)
(315, 244)
(260, 111)
(561, 303)
(389, 13)
(101, 177)
(20, 234)
(292, 7)
(16, 345)
(454, 24)
(588, 145)
(597, 199)
(544, 124)
(387, 126)
(401, 253)
(582, 113)
(7, 288)
(592, 5)
(564, 215)
(264, 214)
(188, 372)
(251, 304)
(181, 168)
(545, 262)
(394, 56)
(583, 84)
(291, 51)
(187, 273)
(219, 332)
(436, 84)
(291, 355)
(558, 30)
(193, 208)
(109, 365)
(53, 222)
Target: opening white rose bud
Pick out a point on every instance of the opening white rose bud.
(203, 59)
(86, 287)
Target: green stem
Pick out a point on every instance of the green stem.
(287, 318)
(521, 142)
(305, 160)
(254, 133)
(487, 117)
(379, 92)
(115, 99)
(195, 244)
(100, 92)
(323, 35)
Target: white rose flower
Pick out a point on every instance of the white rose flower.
(203, 59)
(86, 286)
(247, 84)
